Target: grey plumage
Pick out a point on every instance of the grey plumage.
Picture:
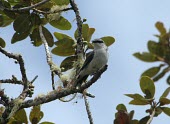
(95, 60)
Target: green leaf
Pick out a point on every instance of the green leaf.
(35, 37)
(121, 107)
(134, 122)
(2, 43)
(46, 6)
(166, 92)
(61, 36)
(108, 40)
(145, 56)
(63, 52)
(138, 99)
(161, 74)
(65, 43)
(48, 36)
(36, 115)
(147, 86)
(11, 15)
(135, 96)
(35, 19)
(164, 101)
(64, 40)
(86, 32)
(161, 28)
(67, 63)
(131, 114)
(156, 48)
(5, 20)
(158, 111)
(22, 23)
(61, 2)
(151, 72)
(85, 29)
(166, 110)
(61, 23)
(168, 80)
(44, 21)
(19, 36)
(45, 122)
(20, 117)
(144, 120)
(90, 33)
(138, 102)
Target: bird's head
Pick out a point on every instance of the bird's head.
(98, 43)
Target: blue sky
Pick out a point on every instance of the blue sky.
(131, 23)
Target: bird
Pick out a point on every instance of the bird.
(94, 61)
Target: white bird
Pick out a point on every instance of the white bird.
(95, 60)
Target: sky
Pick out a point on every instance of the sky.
(132, 24)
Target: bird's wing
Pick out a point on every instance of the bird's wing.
(89, 57)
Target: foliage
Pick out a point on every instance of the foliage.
(26, 25)
(157, 52)
(35, 117)
(148, 88)
(28, 20)
(123, 117)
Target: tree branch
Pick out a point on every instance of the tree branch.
(151, 117)
(78, 19)
(48, 54)
(13, 105)
(53, 67)
(11, 81)
(21, 64)
(80, 45)
(57, 94)
(25, 8)
(48, 12)
(88, 108)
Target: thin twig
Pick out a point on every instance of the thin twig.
(48, 54)
(34, 79)
(79, 21)
(21, 64)
(49, 12)
(26, 8)
(151, 117)
(11, 81)
(52, 78)
(53, 67)
(88, 108)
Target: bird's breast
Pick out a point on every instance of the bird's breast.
(100, 59)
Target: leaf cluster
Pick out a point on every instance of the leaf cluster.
(147, 86)
(158, 51)
(122, 116)
(25, 23)
(35, 117)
